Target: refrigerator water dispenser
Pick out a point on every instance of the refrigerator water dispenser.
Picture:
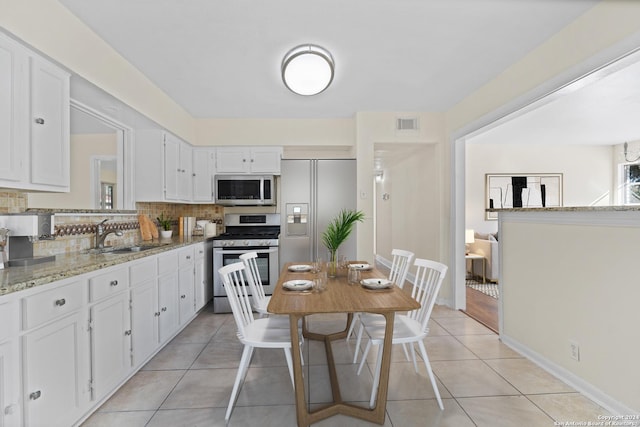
(297, 219)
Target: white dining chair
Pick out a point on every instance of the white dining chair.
(259, 298)
(409, 328)
(398, 274)
(253, 333)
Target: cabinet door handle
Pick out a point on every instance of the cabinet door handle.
(39, 120)
(35, 395)
(188, 256)
(164, 309)
(60, 302)
(127, 332)
(157, 313)
(183, 296)
(114, 283)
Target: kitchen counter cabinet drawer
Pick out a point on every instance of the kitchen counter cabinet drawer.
(49, 305)
(108, 283)
(186, 256)
(141, 272)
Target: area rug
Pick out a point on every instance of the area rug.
(490, 289)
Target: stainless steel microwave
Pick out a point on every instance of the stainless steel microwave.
(245, 190)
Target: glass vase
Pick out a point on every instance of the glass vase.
(332, 264)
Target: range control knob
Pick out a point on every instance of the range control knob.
(246, 243)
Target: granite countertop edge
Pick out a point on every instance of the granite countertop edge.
(570, 209)
(16, 279)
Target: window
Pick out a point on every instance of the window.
(631, 184)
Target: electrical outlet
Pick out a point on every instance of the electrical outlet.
(574, 348)
(363, 194)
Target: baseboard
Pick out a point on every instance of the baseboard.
(568, 377)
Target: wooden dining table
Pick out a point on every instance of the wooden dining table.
(338, 297)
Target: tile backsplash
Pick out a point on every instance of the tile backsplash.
(12, 201)
(76, 231)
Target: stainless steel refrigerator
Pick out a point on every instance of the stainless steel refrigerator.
(312, 192)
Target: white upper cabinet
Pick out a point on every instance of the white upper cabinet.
(13, 110)
(163, 169)
(203, 166)
(50, 145)
(248, 160)
(34, 120)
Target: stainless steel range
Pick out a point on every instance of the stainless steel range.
(245, 233)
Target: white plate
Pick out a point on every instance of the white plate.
(300, 268)
(377, 283)
(360, 266)
(298, 285)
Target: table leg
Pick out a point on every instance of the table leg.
(304, 418)
(383, 387)
(301, 405)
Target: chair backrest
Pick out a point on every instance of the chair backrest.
(400, 266)
(236, 290)
(253, 277)
(429, 277)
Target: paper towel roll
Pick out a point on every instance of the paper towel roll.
(210, 229)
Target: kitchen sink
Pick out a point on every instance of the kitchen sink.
(133, 249)
(124, 250)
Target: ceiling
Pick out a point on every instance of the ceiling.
(222, 58)
(600, 109)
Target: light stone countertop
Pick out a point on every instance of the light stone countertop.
(570, 209)
(15, 279)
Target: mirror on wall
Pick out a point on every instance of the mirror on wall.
(96, 165)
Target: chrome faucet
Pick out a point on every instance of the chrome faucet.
(101, 234)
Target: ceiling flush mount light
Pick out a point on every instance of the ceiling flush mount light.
(307, 69)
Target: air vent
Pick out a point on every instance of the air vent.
(407, 123)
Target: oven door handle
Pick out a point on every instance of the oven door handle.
(240, 251)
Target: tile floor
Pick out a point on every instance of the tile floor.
(482, 382)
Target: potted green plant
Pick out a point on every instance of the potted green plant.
(166, 229)
(337, 233)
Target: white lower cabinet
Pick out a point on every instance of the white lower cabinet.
(144, 320)
(186, 283)
(187, 297)
(9, 366)
(110, 323)
(9, 386)
(64, 349)
(169, 317)
(55, 380)
(200, 279)
(202, 275)
(168, 294)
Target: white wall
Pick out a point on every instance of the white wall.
(416, 183)
(588, 173)
(567, 277)
(410, 218)
(286, 132)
